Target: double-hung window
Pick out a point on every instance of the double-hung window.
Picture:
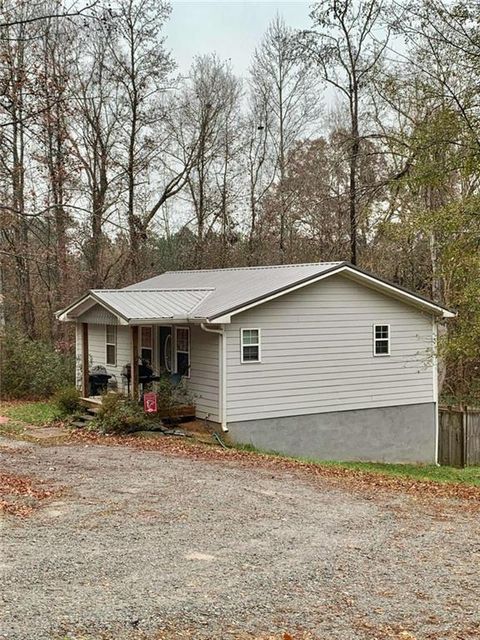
(381, 339)
(111, 344)
(183, 351)
(250, 345)
(146, 344)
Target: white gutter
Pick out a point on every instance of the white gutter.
(222, 364)
(435, 385)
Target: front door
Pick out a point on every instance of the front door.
(166, 350)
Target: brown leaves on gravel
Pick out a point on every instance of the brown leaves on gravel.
(184, 633)
(372, 632)
(352, 478)
(191, 635)
(20, 495)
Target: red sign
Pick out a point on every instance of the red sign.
(150, 402)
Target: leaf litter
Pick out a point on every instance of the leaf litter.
(351, 478)
(20, 495)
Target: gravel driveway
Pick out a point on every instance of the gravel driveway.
(140, 543)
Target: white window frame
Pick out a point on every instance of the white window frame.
(259, 345)
(111, 344)
(151, 348)
(375, 340)
(177, 351)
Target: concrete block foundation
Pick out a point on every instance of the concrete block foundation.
(402, 434)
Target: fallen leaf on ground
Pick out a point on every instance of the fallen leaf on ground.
(12, 486)
(355, 479)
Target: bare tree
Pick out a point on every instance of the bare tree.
(260, 170)
(287, 86)
(207, 126)
(95, 136)
(44, 11)
(14, 81)
(229, 165)
(348, 45)
(143, 68)
(54, 80)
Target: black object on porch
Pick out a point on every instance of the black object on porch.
(98, 380)
(145, 375)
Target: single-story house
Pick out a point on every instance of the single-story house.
(322, 360)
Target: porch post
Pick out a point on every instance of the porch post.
(134, 362)
(85, 362)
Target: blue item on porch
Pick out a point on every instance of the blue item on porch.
(175, 379)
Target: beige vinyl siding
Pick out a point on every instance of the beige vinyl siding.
(203, 384)
(317, 354)
(97, 349)
(98, 315)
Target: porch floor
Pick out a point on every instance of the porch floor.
(92, 400)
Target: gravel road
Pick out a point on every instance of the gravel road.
(140, 543)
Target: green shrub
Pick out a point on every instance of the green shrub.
(119, 414)
(165, 393)
(170, 395)
(67, 400)
(32, 368)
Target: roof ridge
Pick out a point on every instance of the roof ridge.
(263, 266)
(152, 290)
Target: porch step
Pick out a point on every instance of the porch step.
(92, 402)
(85, 418)
(92, 411)
(79, 424)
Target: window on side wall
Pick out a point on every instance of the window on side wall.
(250, 348)
(381, 339)
(183, 351)
(111, 344)
(146, 344)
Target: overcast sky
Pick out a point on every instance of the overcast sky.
(230, 28)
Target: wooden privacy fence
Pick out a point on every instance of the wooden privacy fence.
(459, 436)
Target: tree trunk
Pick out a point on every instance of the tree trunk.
(352, 193)
(21, 235)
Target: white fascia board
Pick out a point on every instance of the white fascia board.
(62, 317)
(448, 314)
(227, 319)
(65, 316)
(359, 275)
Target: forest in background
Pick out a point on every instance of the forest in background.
(358, 139)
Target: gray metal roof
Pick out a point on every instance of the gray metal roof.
(234, 288)
(211, 293)
(145, 304)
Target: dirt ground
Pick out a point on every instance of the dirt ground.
(124, 543)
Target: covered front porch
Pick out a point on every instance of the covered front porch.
(136, 341)
(105, 353)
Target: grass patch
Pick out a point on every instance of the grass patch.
(44, 413)
(34, 413)
(421, 472)
(12, 428)
(431, 473)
